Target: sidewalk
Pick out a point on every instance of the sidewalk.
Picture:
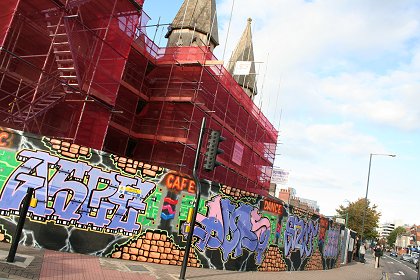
(43, 264)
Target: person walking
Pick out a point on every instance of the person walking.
(378, 255)
(362, 252)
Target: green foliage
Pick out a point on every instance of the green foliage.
(355, 217)
(392, 237)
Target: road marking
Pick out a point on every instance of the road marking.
(415, 271)
(390, 262)
(401, 273)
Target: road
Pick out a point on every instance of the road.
(396, 269)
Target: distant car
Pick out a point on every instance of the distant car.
(414, 259)
(405, 257)
(393, 254)
(417, 265)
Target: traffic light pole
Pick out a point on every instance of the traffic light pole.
(197, 201)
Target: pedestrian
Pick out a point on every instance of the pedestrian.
(362, 252)
(378, 255)
(356, 249)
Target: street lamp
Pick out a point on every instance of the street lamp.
(367, 189)
(348, 209)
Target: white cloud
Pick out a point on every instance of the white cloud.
(314, 142)
(327, 53)
(306, 34)
(388, 99)
(349, 86)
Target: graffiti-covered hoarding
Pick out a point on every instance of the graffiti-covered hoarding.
(97, 203)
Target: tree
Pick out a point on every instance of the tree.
(392, 237)
(355, 217)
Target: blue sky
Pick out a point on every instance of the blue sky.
(349, 75)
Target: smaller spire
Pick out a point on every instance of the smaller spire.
(194, 24)
(244, 51)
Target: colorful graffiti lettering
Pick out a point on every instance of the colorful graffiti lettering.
(84, 194)
(76, 193)
(332, 243)
(232, 229)
(278, 230)
(323, 224)
(179, 183)
(272, 206)
(299, 235)
(168, 205)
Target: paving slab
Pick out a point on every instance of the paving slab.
(35, 263)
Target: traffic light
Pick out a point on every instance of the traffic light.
(213, 150)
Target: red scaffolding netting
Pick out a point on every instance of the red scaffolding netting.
(91, 74)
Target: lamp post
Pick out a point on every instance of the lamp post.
(347, 218)
(367, 189)
(347, 212)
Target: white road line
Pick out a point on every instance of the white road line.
(403, 264)
(401, 273)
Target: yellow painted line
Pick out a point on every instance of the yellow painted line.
(7, 164)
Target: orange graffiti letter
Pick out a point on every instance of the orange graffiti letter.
(3, 138)
(170, 181)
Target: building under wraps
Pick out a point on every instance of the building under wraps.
(86, 71)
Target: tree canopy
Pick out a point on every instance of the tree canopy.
(355, 217)
(392, 237)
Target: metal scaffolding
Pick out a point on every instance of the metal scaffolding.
(86, 70)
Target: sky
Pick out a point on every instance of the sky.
(346, 79)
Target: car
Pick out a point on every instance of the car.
(414, 259)
(417, 265)
(405, 257)
(393, 254)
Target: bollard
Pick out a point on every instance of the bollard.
(22, 215)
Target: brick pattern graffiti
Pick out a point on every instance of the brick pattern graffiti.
(68, 149)
(131, 166)
(153, 247)
(315, 262)
(273, 260)
(132, 210)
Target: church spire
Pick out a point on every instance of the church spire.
(194, 25)
(244, 51)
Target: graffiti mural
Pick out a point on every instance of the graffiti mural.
(76, 193)
(232, 229)
(96, 203)
(332, 245)
(299, 235)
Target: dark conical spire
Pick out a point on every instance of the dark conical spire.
(195, 25)
(244, 51)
